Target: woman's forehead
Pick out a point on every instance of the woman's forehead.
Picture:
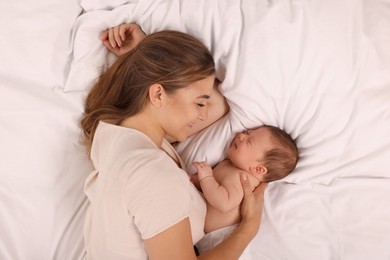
(201, 89)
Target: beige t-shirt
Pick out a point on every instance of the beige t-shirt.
(136, 192)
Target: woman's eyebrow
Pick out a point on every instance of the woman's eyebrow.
(204, 96)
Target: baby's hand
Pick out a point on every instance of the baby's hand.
(122, 38)
(204, 170)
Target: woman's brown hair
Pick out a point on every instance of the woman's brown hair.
(170, 58)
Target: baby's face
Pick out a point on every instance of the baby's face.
(249, 147)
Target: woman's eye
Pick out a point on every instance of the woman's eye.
(200, 105)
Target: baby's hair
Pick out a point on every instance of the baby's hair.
(281, 160)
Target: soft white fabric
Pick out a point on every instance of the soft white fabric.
(212, 239)
(135, 192)
(319, 69)
(347, 219)
(209, 140)
(90, 5)
(43, 166)
(36, 40)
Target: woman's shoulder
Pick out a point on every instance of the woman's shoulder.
(115, 133)
(113, 139)
(125, 150)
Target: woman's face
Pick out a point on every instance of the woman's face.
(186, 107)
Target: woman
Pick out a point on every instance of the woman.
(143, 205)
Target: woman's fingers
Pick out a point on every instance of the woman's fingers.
(253, 201)
(117, 36)
(111, 37)
(104, 35)
(122, 31)
(122, 38)
(107, 44)
(259, 191)
(246, 185)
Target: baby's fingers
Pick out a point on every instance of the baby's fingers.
(197, 165)
(200, 164)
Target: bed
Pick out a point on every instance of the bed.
(318, 69)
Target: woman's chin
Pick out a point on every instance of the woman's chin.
(181, 138)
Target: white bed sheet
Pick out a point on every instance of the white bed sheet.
(318, 69)
(43, 167)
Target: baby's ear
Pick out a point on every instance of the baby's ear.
(259, 170)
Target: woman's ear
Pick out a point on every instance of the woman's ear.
(156, 92)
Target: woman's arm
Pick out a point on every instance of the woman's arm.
(251, 209)
(175, 243)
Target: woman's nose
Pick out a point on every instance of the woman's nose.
(203, 113)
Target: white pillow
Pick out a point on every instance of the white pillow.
(36, 41)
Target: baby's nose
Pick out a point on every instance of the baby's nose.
(241, 137)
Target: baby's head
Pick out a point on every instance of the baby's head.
(267, 152)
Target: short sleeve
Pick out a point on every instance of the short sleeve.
(157, 195)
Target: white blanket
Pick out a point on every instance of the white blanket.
(318, 69)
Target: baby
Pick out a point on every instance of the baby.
(266, 154)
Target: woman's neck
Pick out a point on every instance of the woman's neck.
(144, 123)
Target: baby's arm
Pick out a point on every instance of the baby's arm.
(222, 196)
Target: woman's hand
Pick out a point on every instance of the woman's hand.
(122, 38)
(252, 204)
(251, 209)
